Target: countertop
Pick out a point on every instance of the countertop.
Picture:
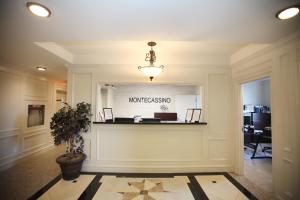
(156, 123)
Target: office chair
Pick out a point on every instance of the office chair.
(261, 123)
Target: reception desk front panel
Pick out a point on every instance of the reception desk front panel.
(152, 148)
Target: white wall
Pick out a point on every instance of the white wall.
(123, 108)
(187, 101)
(214, 142)
(280, 61)
(17, 92)
(257, 92)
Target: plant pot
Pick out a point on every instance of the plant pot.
(70, 165)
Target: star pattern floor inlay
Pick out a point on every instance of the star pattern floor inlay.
(125, 188)
(145, 187)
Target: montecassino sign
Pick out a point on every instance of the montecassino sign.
(149, 100)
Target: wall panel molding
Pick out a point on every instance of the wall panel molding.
(176, 146)
(35, 134)
(9, 130)
(13, 159)
(9, 133)
(217, 139)
(39, 146)
(287, 149)
(88, 148)
(82, 83)
(9, 156)
(33, 99)
(13, 146)
(218, 149)
(17, 140)
(35, 140)
(288, 161)
(98, 144)
(104, 153)
(40, 131)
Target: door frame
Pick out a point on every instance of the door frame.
(238, 117)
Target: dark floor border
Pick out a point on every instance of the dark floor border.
(240, 187)
(196, 189)
(92, 188)
(45, 188)
(194, 186)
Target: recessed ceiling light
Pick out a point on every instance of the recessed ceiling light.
(288, 13)
(41, 68)
(38, 9)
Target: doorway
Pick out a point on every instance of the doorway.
(61, 98)
(257, 133)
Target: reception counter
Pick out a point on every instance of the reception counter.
(156, 123)
(154, 147)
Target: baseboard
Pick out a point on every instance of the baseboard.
(13, 160)
(156, 169)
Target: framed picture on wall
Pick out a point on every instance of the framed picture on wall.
(196, 115)
(189, 115)
(36, 115)
(108, 114)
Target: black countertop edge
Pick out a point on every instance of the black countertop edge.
(157, 123)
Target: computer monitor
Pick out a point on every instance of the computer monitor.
(247, 120)
(261, 120)
(151, 120)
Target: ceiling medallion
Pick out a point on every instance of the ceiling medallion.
(151, 70)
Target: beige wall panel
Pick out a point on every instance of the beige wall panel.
(134, 142)
(10, 98)
(218, 104)
(9, 146)
(218, 150)
(16, 139)
(34, 88)
(82, 88)
(36, 140)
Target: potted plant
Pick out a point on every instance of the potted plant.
(66, 125)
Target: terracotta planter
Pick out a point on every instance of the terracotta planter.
(70, 165)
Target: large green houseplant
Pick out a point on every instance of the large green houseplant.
(66, 126)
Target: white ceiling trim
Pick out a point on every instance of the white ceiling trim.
(56, 50)
(247, 51)
(133, 53)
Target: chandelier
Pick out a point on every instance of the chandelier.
(151, 70)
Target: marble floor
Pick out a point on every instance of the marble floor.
(259, 171)
(219, 187)
(68, 189)
(28, 176)
(107, 186)
(257, 176)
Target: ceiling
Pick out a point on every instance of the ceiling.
(133, 52)
(98, 31)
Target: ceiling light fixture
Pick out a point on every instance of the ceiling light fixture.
(38, 9)
(151, 70)
(288, 12)
(41, 68)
